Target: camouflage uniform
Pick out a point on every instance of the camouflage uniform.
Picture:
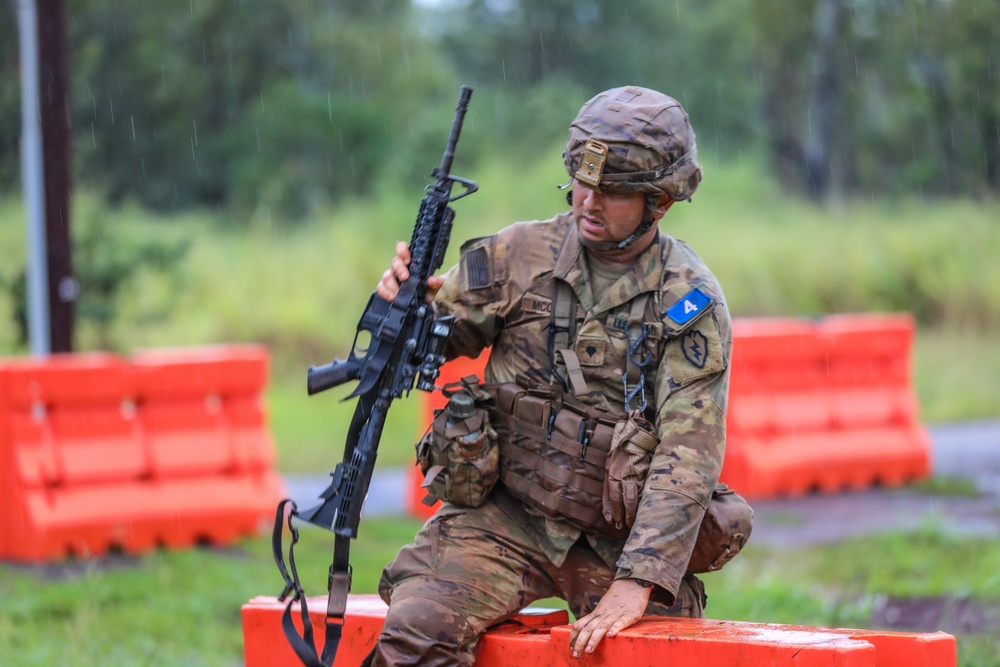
(469, 569)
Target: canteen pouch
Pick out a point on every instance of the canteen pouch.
(458, 455)
(724, 531)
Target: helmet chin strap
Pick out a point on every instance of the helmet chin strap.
(615, 247)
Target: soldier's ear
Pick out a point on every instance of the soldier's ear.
(569, 197)
(663, 204)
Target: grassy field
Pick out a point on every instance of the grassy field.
(182, 608)
(300, 287)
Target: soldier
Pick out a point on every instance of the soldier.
(610, 352)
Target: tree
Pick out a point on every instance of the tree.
(889, 96)
(697, 52)
(10, 105)
(246, 101)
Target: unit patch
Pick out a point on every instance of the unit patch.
(695, 347)
(689, 306)
(696, 353)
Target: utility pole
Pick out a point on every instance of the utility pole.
(54, 109)
(32, 177)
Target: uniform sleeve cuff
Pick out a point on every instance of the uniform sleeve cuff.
(665, 579)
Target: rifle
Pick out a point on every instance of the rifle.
(397, 344)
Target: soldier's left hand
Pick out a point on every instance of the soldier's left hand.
(398, 271)
(622, 605)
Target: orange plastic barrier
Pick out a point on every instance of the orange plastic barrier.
(542, 639)
(99, 452)
(822, 405)
(814, 405)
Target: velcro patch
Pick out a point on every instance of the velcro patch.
(477, 268)
(696, 353)
(689, 306)
(590, 351)
(592, 344)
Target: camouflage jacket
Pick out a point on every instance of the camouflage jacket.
(501, 293)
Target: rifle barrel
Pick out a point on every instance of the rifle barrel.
(464, 95)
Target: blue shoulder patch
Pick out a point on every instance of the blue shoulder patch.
(689, 306)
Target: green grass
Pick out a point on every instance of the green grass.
(300, 286)
(166, 608)
(310, 431)
(838, 585)
(182, 607)
(938, 485)
(955, 374)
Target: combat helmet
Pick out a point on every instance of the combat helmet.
(634, 139)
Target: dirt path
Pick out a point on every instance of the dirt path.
(967, 451)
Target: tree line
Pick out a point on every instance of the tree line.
(292, 105)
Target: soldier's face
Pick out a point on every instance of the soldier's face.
(606, 216)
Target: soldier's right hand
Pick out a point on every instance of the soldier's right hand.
(398, 271)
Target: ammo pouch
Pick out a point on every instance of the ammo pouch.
(554, 452)
(724, 530)
(458, 455)
(632, 447)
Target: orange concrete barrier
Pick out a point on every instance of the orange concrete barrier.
(814, 405)
(542, 638)
(99, 452)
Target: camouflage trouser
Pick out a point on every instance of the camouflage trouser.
(470, 569)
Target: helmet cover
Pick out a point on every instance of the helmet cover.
(634, 139)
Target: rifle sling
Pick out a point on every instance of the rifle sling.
(339, 586)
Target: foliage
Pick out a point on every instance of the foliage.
(128, 274)
(698, 53)
(10, 103)
(252, 103)
(912, 94)
(838, 90)
(110, 260)
(285, 107)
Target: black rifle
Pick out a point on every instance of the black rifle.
(398, 343)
